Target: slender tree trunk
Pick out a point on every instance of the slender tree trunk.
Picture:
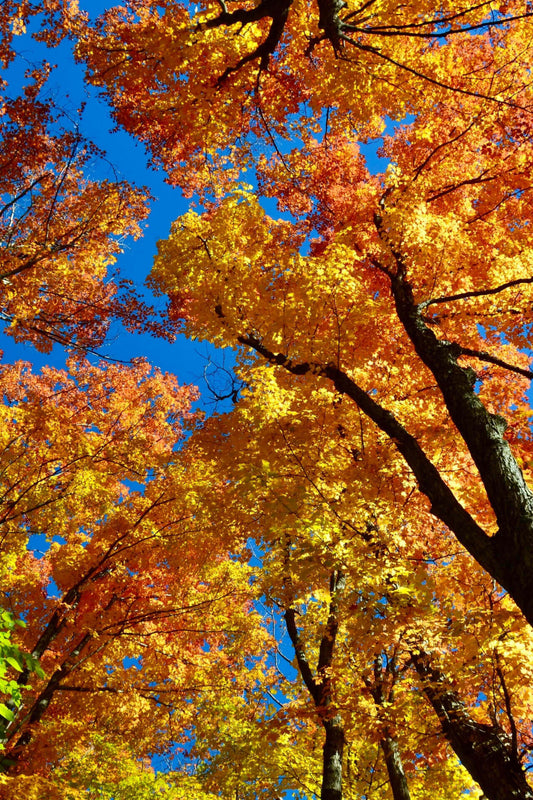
(40, 706)
(321, 690)
(381, 688)
(393, 760)
(487, 751)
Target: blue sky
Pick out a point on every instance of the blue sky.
(66, 86)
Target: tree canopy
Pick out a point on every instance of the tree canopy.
(325, 590)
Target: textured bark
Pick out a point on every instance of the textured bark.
(483, 432)
(508, 556)
(332, 759)
(486, 751)
(393, 760)
(381, 687)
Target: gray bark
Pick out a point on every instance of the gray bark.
(381, 687)
(393, 761)
(486, 751)
(511, 561)
(332, 759)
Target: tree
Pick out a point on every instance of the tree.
(319, 505)
(130, 617)
(462, 189)
(61, 227)
(132, 610)
(104, 546)
(266, 73)
(324, 314)
(387, 312)
(323, 323)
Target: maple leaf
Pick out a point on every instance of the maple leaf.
(381, 326)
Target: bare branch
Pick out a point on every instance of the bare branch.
(475, 293)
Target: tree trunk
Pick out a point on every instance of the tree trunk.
(321, 690)
(393, 760)
(332, 759)
(40, 706)
(486, 751)
(484, 434)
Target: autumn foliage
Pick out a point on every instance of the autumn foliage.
(325, 590)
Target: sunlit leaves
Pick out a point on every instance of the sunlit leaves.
(128, 614)
(147, 616)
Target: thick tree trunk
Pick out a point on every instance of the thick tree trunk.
(332, 760)
(444, 505)
(486, 751)
(507, 556)
(393, 760)
(484, 435)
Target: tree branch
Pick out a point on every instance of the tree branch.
(444, 504)
(474, 293)
(484, 356)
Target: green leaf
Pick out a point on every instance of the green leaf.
(14, 663)
(6, 712)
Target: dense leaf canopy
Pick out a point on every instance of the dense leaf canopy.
(326, 590)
